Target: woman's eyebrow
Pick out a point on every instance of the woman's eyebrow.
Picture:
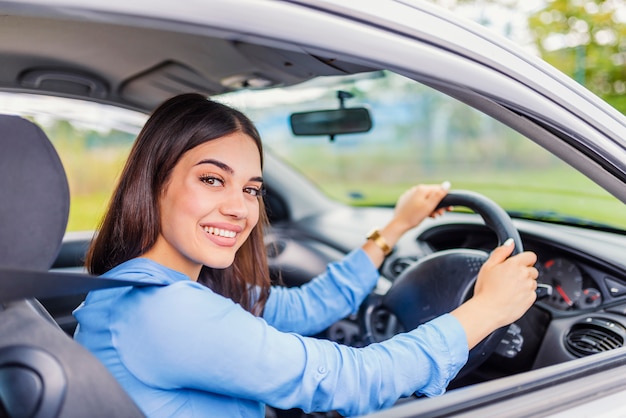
(227, 168)
(219, 164)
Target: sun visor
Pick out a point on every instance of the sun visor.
(292, 66)
(163, 81)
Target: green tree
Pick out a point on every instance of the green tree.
(587, 41)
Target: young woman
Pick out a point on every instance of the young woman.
(218, 340)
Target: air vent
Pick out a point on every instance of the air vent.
(594, 335)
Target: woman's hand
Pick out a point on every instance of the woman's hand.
(413, 206)
(417, 203)
(504, 291)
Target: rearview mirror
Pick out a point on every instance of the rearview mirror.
(331, 122)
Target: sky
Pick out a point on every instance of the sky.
(509, 22)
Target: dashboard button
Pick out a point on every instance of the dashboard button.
(615, 288)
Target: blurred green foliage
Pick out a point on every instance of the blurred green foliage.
(92, 161)
(587, 41)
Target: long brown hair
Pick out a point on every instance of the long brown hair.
(132, 222)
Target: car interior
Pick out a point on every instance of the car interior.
(581, 306)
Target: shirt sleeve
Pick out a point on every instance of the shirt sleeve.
(335, 294)
(211, 344)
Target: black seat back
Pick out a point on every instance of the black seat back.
(34, 194)
(43, 372)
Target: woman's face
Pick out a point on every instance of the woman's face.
(209, 205)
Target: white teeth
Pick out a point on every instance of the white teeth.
(219, 232)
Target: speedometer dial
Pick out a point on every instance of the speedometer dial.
(567, 281)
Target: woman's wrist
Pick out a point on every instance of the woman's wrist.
(380, 242)
(477, 320)
(376, 237)
(392, 232)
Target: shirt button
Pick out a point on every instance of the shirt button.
(321, 369)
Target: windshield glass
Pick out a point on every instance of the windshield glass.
(420, 135)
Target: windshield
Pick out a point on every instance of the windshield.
(420, 135)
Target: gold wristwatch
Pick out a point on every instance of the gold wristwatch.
(379, 241)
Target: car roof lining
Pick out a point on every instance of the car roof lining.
(155, 63)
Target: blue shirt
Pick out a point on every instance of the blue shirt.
(183, 350)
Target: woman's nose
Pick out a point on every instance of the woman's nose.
(234, 204)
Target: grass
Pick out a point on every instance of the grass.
(86, 211)
(561, 191)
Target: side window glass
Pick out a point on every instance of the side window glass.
(93, 142)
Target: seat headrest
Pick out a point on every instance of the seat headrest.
(34, 196)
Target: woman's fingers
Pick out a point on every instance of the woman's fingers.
(506, 284)
(420, 202)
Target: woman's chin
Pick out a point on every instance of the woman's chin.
(220, 264)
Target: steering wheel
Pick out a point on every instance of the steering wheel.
(440, 282)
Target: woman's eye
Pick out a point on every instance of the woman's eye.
(211, 181)
(254, 191)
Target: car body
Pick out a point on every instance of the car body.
(273, 58)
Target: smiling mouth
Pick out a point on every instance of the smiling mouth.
(219, 232)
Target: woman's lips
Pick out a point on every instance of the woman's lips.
(221, 236)
(220, 232)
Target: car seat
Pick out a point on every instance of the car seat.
(43, 372)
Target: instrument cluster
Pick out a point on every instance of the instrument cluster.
(571, 288)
